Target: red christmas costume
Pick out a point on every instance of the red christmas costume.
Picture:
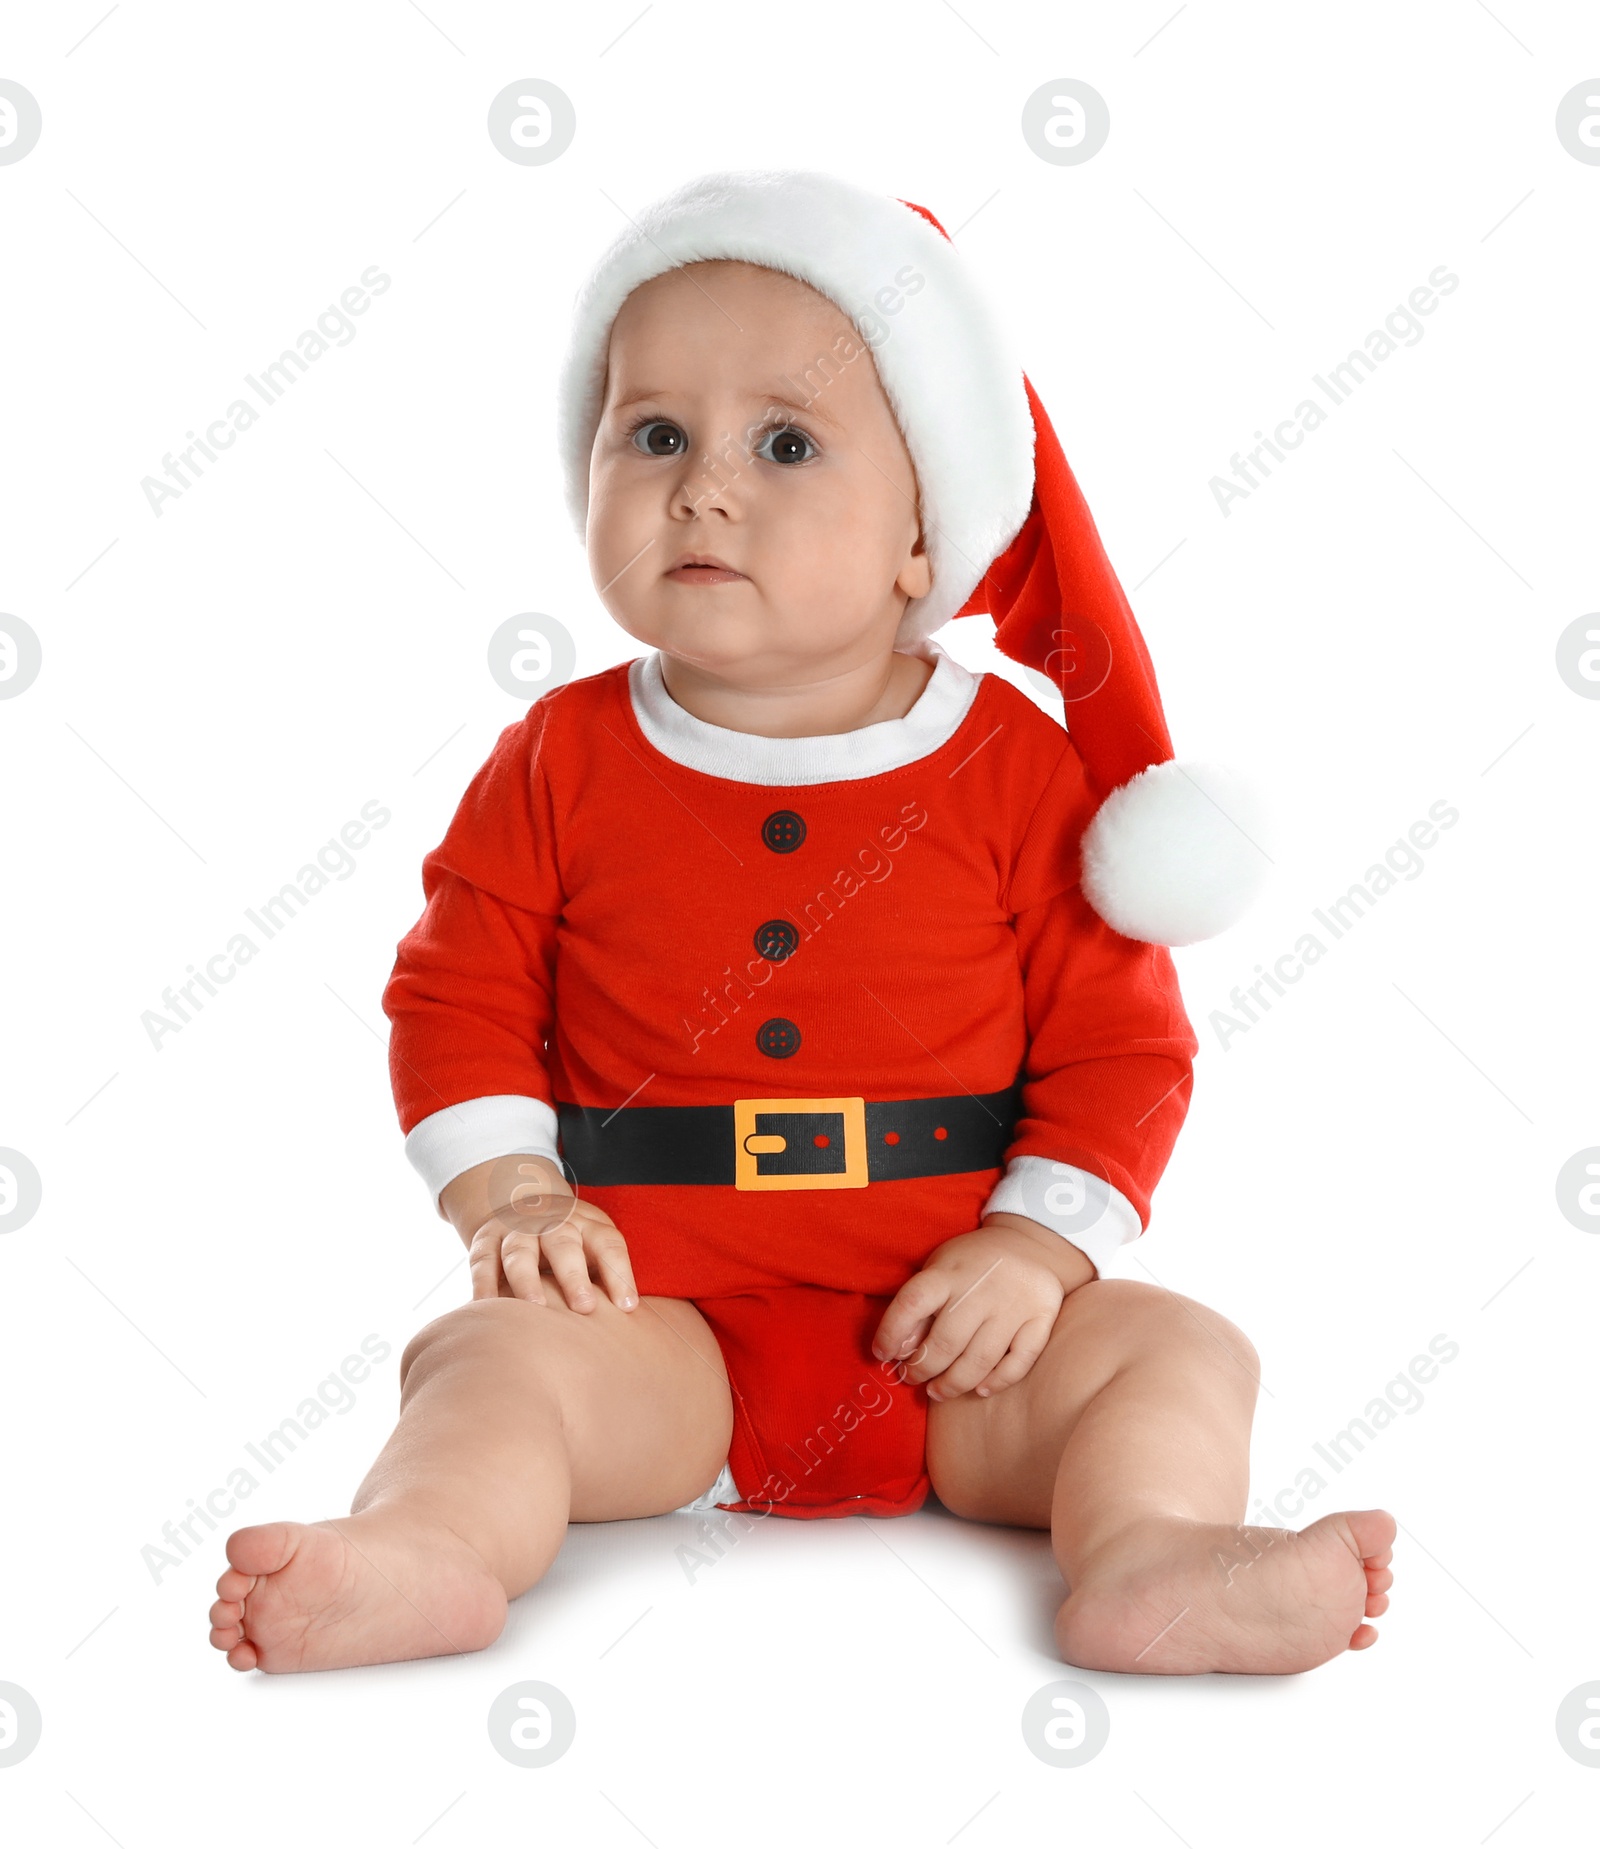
(589, 938)
(941, 906)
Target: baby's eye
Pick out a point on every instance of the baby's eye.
(660, 438)
(786, 442)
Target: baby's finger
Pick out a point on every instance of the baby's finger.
(952, 1333)
(978, 1358)
(519, 1259)
(483, 1263)
(1026, 1347)
(612, 1262)
(564, 1254)
(905, 1323)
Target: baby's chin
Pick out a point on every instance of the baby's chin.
(729, 630)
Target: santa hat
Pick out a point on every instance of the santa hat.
(1168, 857)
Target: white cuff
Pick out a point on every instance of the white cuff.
(1086, 1211)
(461, 1136)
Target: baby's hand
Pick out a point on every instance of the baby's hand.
(560, 1234)
(991, 1298)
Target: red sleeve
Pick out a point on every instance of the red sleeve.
(471, 997)
(1109, 1065)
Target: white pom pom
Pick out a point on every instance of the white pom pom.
(1176, 854)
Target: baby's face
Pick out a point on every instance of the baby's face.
(814, 504)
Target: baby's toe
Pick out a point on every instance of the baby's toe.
(1377, 1604)
(226, 1636)
(1372, 1530)
(1373, 1533)
(1361, 1638)
(1379, 1579)
(235, 1585)
(256, 1552)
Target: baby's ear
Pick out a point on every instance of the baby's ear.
(916, 575)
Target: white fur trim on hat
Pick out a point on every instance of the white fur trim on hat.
(939, 350)
(1174, 855)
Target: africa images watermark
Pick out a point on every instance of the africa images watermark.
(785, 934)
(333, 325)
(1401, 1394)
(335, 1394)
(1338, 385)
(273, 914)
(1336, 919)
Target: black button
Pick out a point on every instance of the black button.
(778, 1038)
(777, 940)
(783, 831)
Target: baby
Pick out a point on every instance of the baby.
(816, 1230)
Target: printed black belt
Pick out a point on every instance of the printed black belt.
(787, 1142)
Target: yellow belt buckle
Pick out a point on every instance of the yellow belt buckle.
(748, 1143)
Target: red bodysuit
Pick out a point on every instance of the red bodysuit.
(592, 936)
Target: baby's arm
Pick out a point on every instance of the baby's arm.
(471, 1002)
(1105, 1087)
(1110, 1052)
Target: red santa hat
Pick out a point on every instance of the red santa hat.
(1170, 856)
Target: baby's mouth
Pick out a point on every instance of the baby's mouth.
(705, 574)
(697, 573)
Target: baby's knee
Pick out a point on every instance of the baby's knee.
(1231, 1340)
(485, 1319)
(1210, 1334)
(1155, 1319)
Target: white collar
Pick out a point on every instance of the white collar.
(831, 757)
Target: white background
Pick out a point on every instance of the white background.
(1371, 631)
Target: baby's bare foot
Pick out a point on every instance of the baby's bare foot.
(377, 1587)
(1178, 1598)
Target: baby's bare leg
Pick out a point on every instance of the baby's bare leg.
(515, 1418)
(1130, 1440)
